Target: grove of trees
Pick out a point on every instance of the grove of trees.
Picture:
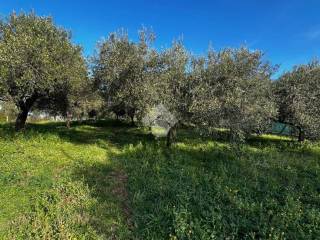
(40, 68)
(298, 99)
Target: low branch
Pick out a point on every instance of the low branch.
(285, 122)
(300, 129)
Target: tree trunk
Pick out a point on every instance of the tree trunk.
(68, 120)
(21, 119)
(169, 138)
(132, 121)
(301, 136)
(171, 135)
(24, 107)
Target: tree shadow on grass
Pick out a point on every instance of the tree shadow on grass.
(172, 189)
(122, 133)
(109, 216)
(275, 142)
(88, 132)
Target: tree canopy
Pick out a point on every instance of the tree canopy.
(233, 91)
(123, 72)
(298, 98)
(38, 63)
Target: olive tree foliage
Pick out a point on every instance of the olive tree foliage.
(298, 98)
(173, 90)
(233, 91)
(88, 104)
(39, 66)
(71, 102)
(176, 86)
(124, 73)
(175, 82)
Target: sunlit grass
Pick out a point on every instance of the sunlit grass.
(32, 163)
(159, 131)
(275, 137)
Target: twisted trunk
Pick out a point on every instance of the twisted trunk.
(68, 122)
(24, 107)
(171, 135)
(21, 119)
(301, 136)
(132, 121)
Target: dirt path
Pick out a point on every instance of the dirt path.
(120, 191)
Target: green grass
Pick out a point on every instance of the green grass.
(159, 131)
(109, 181)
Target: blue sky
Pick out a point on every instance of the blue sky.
(287, 31)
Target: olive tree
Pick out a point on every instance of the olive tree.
(71, 101)
(88, 104)
(38, 63)
(233, 91)
(298, 98)
(123, 73)
(175, 84)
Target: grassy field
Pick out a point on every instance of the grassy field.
(110, 181)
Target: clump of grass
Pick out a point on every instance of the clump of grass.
(62, 212)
